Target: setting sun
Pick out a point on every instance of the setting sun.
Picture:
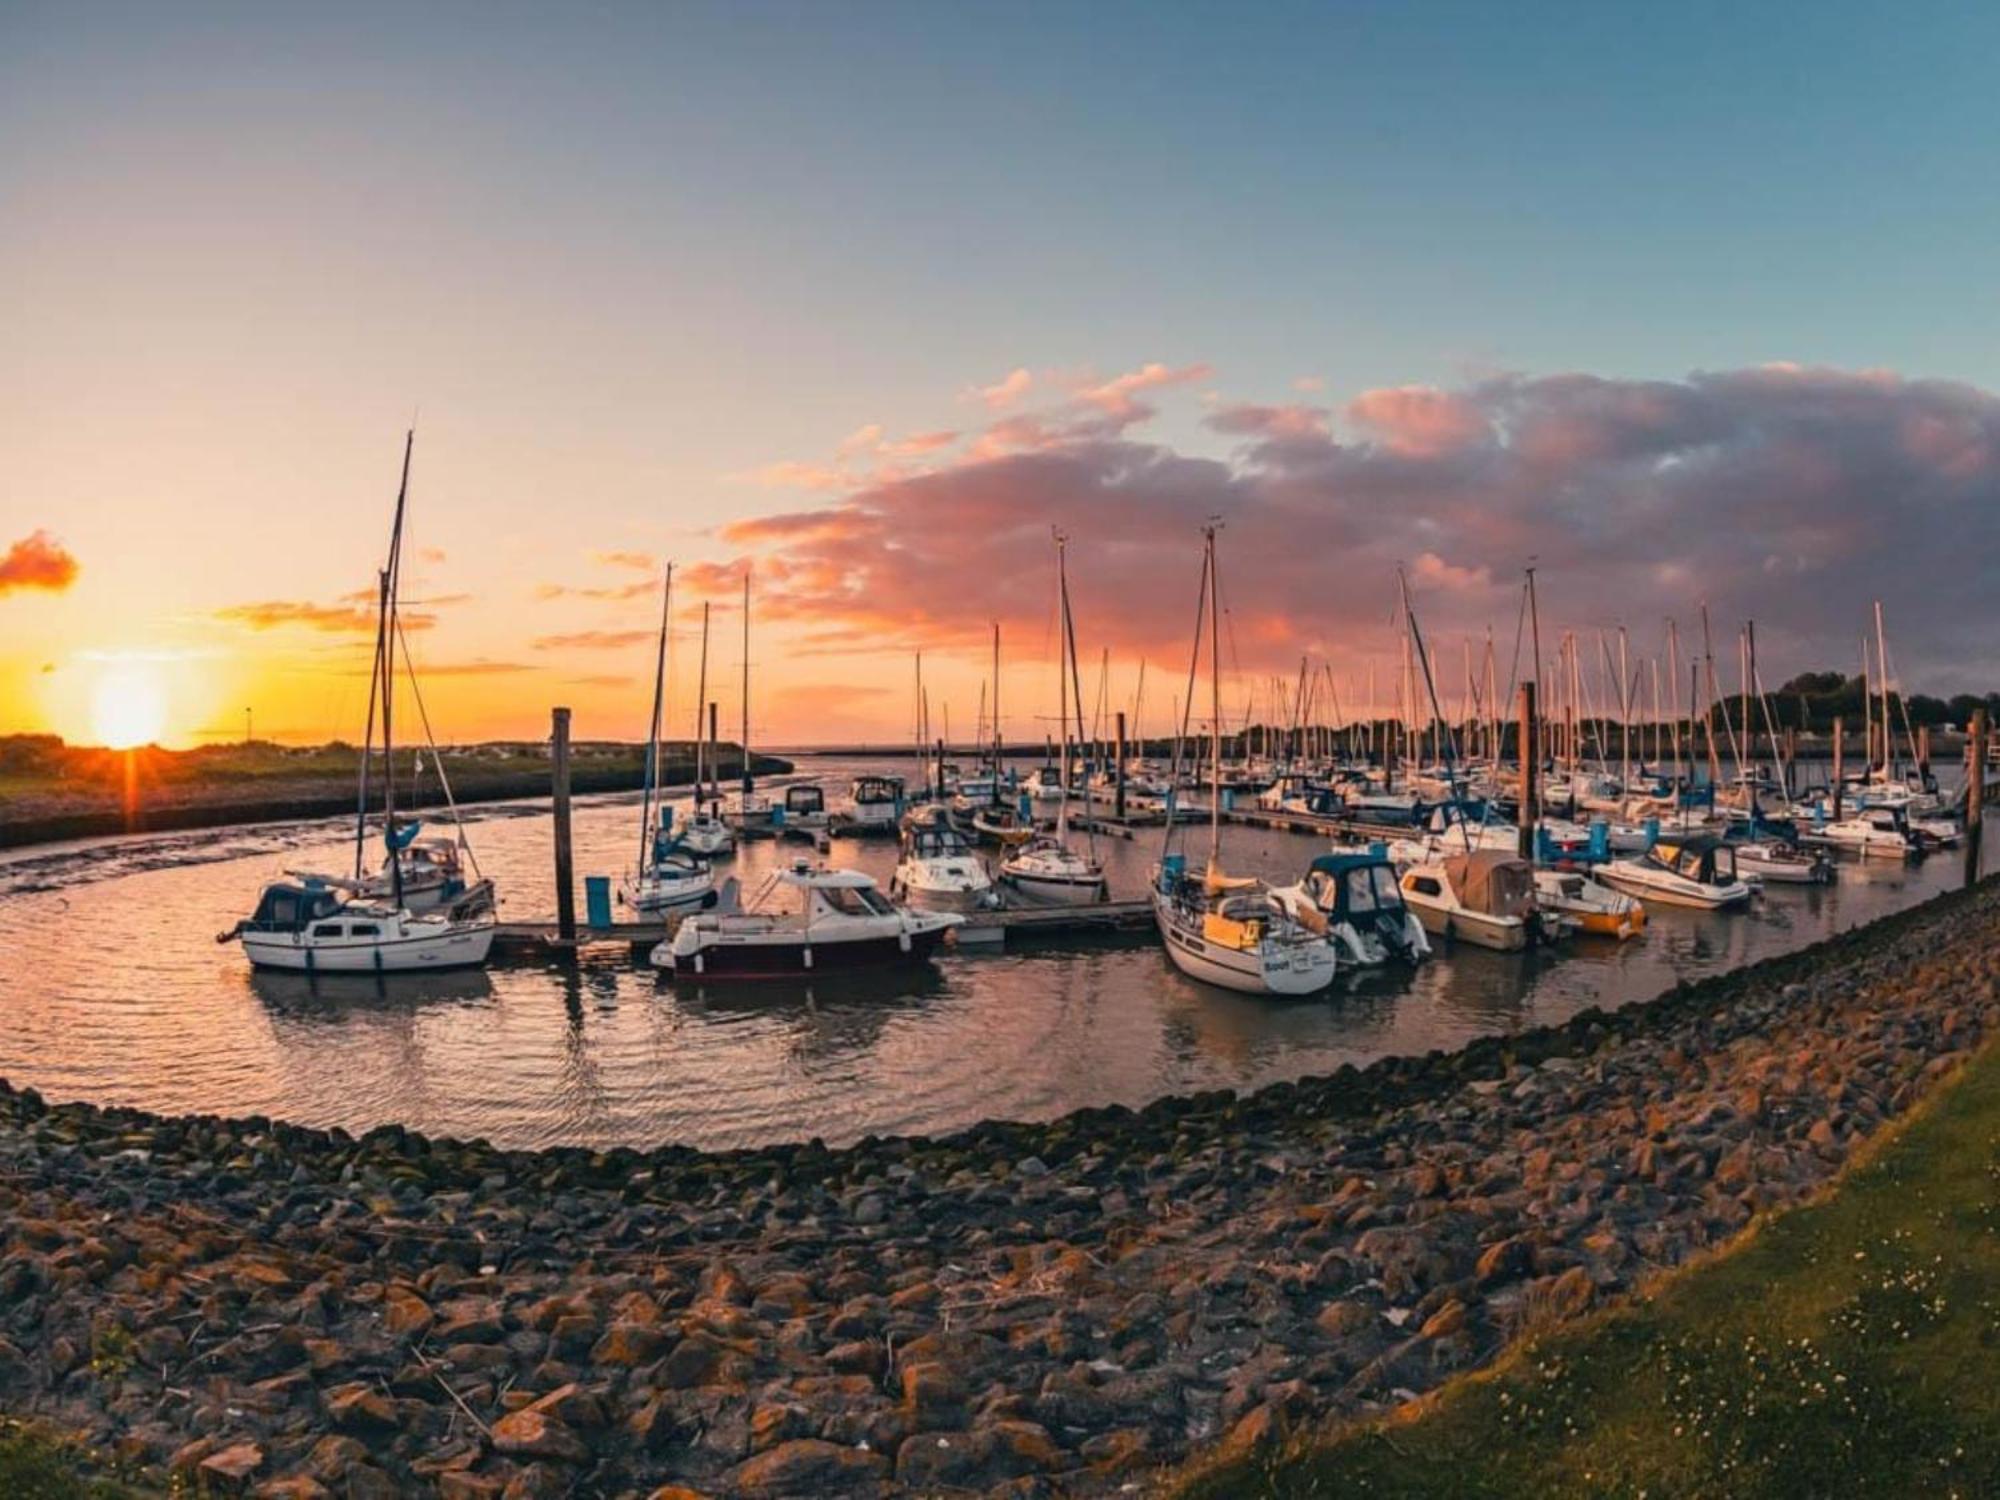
(128, 707)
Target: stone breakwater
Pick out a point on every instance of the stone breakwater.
(1018, 1310)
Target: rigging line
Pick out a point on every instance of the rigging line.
(444, 780)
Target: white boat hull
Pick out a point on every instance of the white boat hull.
(1296, 969)
(461, 946)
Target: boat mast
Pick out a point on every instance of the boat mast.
(1214, 701)
(653, 728)
(700, 709)
(1882, 661)
(749, 783)
(391, 584)
(999, 743)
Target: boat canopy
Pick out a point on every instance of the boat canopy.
(805, 798)
(877, 789)
(818, 877)
(291, 908)
(1493, 881)
(1702, 857)
(1354, 884)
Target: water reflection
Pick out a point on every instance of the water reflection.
(116, 991)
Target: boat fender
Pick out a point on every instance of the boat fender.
(806, 957)
(700, 963)
(378, 960)
(309, 958)
(903, 940)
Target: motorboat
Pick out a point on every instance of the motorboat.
(311, 928)
(1484, 897)
(1049, 871)
(1355, 897)
(1881, 832)
(748, 814)
(1373, 804)
(836, 920)
(364, 923)
(805, 808)
(1231, 932)
(1001, 823)
(938, 869)
(1778, 862)
(1300, 795)
(1698, 871)
(1593, 906)
(705, 833)
(874, 804)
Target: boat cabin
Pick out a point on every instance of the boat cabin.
(1353, 887)
(1486, 881)
(285, 907)
(1704, 858)
(929, 833)
(804, 801)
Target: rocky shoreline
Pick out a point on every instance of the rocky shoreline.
(1016, 1310)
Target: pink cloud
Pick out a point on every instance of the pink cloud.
(1005, 392)
(1419, 421)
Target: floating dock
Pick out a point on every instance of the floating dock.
(529, 940)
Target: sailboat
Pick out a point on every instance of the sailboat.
(1228, 931)
(670, 876)
(327, 924)
(747, 813)
(1046, 868)
(705, 833)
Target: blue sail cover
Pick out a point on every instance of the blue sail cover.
(402, 835)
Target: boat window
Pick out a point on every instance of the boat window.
(1323, 889)
(1725, 865)
(1360, 890)
(363, 929)
(848, 900)
(1425, 885)
(876, 902)
(327, 929)
(1388, 894)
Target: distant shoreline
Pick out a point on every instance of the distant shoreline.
(58, 818)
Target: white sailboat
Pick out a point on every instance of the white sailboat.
(670, 877)
(704, 833)
(336, 925)
(1047, 868)
(1222, 930)
(747, 813)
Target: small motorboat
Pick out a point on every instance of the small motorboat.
(705, 833)
(1354, 897)
(840, 920)
(1485, 897)
(805, 809)
(748, 814)
(1047, 870)
(1780, 863)
(1594, 907)
(1873, 833)
(939, 869)
(874, 804)
(1698, 871)
(1001, 823)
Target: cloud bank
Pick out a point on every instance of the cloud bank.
(37, 561)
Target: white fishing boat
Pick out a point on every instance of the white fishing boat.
(835, 921)
(1872, 832)
(1226, 931)
(1485, 897)
(1594, 907)
(1048, 868)
(1777, 862)
(1354, 896)
(670, 877)
(1698, 871)
(938, 869)
(313, 924)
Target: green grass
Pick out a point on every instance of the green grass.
(1850, 1347)
(37, 1466)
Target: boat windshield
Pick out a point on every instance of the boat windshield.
(855, 901)
(1725, 864)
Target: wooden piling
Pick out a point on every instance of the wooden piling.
(1118, 775)
(1839, 748)
(1975, 793)
(1531, 770)
(565, 869)
(1923, 747)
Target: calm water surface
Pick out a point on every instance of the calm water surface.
(113, 989)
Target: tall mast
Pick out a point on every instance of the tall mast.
(749, 785)
(1214, 704)
(392, 582)
(701, 708)
(1063, 667)
(653, 726)
(999, 743)
(1882, 662)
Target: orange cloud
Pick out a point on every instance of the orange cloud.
(37, 561)
(1004, 392)
(591, 640)
(643, 561)
(274, 614)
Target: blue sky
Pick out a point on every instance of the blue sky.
(630, 254)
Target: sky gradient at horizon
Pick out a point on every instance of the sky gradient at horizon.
(645, 277)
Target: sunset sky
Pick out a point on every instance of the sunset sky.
(1685, 303)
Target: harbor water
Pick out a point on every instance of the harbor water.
(114, 989)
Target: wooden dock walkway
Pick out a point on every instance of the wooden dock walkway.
(529, 940)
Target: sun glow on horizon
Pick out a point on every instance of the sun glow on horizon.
(128, 707)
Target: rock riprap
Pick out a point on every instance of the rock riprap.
(1016, 1310)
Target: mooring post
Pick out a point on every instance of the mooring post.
(1118, 775)
(1839, 748)
(1923, 747)
(565, 874)
(1791, 761)
(1975, 793)
(1531, 767)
